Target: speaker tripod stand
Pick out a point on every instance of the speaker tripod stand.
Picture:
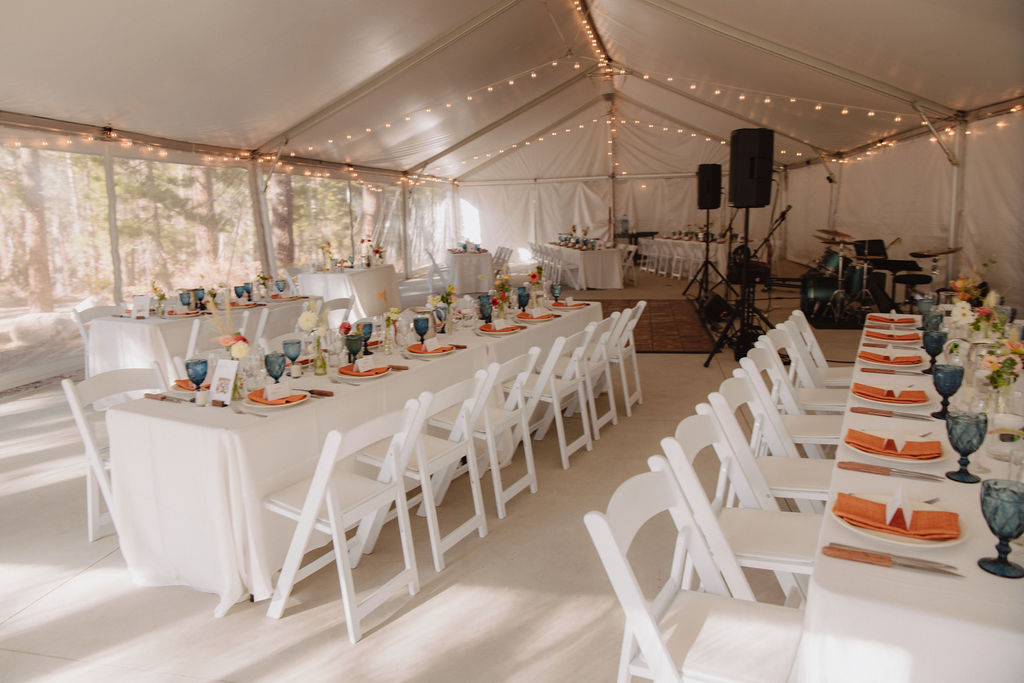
(741, 329)
(702, 275)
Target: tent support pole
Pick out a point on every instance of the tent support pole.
(503, 120)
(394, 70)
(261, 217)
(957, 200)
(115, 250)
(405, 229)
(938, 138)
(796, 57)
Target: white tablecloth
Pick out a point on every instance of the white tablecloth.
(866, 623)
(598, 269)
(470, 272)
(189, 482)
(362, 285)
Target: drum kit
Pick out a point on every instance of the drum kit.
(838, 285)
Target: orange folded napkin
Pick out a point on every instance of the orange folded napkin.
(419, 348)
(235, 304)
(932, 525)
(908, 396)
(488, 327)
(912, 450)
(187, 385)
(892, 336)
(257, 397)
(561, 304)
(351, 371)
(885, 319)
(527, 316)
(890, 360)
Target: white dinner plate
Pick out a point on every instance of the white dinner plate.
(535, 320)
(869, 321)
(931, 398)
(892, 459)
(578, 306)
(501, 333)
(895, 538)
(190, 314)
(253, 404)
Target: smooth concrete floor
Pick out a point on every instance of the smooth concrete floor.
(529, 602)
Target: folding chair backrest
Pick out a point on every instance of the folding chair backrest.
(774, 434)
(802, 371)
(466, 394)
(575, 348)
(810, 340)
(597, 345)
(86, 315)
(761, 361)
(291, 274)
(511, 370)
(547, 369)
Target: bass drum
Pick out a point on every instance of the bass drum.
(828, 264)
(853, 280)
(815, 292)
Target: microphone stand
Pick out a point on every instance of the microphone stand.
(701, 276)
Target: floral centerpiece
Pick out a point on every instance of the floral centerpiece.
(1004, 362)
(962, 313)
(390, 327)
(971, 288)
(501, 298)
(440, 304)
(233, 342)
(534, 280)
(160, 295)
(326, 255)
(315, 326)
(988, 320)
(264, 281)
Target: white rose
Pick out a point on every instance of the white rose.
(307, 321)
(239, 350)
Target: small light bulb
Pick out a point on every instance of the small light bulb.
(767, 100)
(845, 111)
(897, 119)
(817, 107)
(693, 86)
(533, 74)
(743, 97)
(792, 99)
(647, 76)
(871, 113)
(717, 91)
(511, 82)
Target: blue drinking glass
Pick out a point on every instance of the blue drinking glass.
(524, 299)
(200, 294)
(556, 291)
(924, 305)
(353, 342)
(931, 321)
(280, 284)
(185, 297)
(239, 291)
(1002, 505)
(486, 308)
(933, 343)
(248, 290)
(365, 329)
(292, 349)
(275, 362)
(966, 432)
(196, 368)
(421, 326)
(947, 379)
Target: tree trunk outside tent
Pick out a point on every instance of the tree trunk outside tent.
(282, 220)
(205, 213)
(37, 265)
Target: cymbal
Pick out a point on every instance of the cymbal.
(868, 257)
(933, 253)
(833, 242)
(836, 234)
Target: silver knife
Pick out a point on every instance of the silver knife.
(886, 371)
(886, 471)
(885, 560)
(889, 413)
(917, 560)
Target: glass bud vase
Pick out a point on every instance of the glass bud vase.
(319, 359)
(388, 331)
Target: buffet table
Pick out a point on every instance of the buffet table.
(470, 272)
(189, 482)
(598, 268)
(362, 285)
(869, 623)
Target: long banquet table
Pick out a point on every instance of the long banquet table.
(189, 482)
(868, 623)
(598, 268)
(362, 285)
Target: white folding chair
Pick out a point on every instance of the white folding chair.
(435, 460)
(562, 392)
(85, 314)
(597, 372)
(203, 336)
(338, 311)
(808, 373)
(622, 351)
(336, 499)
(758, 534)
(437, 275)
(678, 260)
(291, 274)
(789, 398)
(628, 252)
(683, 634)
(81, 396)
(832, 375)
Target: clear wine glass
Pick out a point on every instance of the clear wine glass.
(966, 431)
(1002, 504)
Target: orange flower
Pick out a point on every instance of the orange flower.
(534, 278)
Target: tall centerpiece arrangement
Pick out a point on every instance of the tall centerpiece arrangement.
(972, 288)
(390, 327)
(536, 286)
(501, 298)
(232, 341)
(159, 295)
(326, 255)
(441, 304)
(265, 282)
(316, 327)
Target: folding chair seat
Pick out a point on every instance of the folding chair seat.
(561, 392)
(337, 499)
(435, 461)
(622, 351)
(497, 416)
(85, 314)
(790, 398)
(756, 532)
(81, 396)
(718, 634)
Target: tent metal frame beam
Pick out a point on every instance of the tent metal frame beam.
(722, 110)
(938, 138)
(797, 57)
(387, 74)
(670, 118)
(540, 132)
(518, 111)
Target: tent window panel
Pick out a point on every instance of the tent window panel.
(431, 225)
(183, 226)
(54, 252)
(380, 221)
(306, 212)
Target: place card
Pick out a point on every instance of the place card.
(140, 306)
(430, 344)
(366, 364)
(568, 301)
(276, 391)
(498, 324)
(898, 503)
(536, 312)
(223, 380)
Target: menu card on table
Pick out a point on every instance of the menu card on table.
(223, 380)
(140, 306)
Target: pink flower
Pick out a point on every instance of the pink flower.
(534, 277)
(226, 339)
(1014, 347)
(990, 362)
(983, 312)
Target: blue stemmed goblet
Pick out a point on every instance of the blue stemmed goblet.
(248, 290)
(200, 295)
(931, 321)
(966, 432)
(524, 299)
(196, 369)
(1002, 504)
(947, 379)
(486, 308)
(292, 349)
(280, 284)
(185, 297)
(366, 330)
(275, 362)
(354, 343)
(421, 326)
(239, 292)
(925, 304)
(933, 343)
(556, 291)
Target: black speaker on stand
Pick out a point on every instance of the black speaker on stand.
(709, 196)
(751, 155)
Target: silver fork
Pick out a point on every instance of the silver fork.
(241, 411)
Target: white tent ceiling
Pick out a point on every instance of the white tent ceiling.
(303, 77)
